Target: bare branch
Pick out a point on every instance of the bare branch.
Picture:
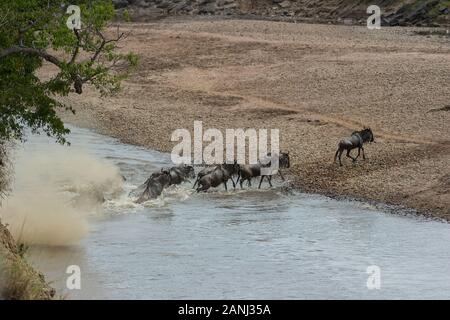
(77, 48)
(3, 19)
(104, 42)
(23, 30)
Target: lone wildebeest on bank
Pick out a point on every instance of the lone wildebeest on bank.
(157, 181)
(356, 140)
(247, 172)
(217, 176)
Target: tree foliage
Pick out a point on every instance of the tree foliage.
(34, 32)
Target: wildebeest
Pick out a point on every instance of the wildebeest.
(247, 172)
(220, 174)
(232, 169)
(181, 173)
(356, 140)
(155, 185)
(157, 181)
(204, 172)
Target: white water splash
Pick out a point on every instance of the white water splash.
(54, 191)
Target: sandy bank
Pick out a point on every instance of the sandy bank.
(316, 83)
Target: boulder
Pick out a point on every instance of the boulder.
(164, 4)
(178, 7)
(285, 4)
(118, 4)
(208, 8)
(143, 4)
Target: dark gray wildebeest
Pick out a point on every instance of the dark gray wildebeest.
(232, 168)
(356, 140)
(247, 172)
(220, 174)
(155, 185)
(181, 173)
(204, 172)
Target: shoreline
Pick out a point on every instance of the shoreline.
(253, 74)
(18, 278)
(391, 208)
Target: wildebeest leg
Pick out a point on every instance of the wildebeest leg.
(281, 175)
(240, 182)
(349, 156)
(260, 181)
(340, 155)
(195, 183)
(336, 155)
(249, 183)
(226, 187)
(359, 152)
(270, 181)
(202, 187)
(364, 156)
(234, 184)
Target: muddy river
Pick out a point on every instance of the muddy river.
(249, 243)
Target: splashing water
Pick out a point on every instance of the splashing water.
(248, 244)
(55, 190)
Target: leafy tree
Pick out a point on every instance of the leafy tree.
(33, 32)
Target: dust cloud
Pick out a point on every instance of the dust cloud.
(55, 190)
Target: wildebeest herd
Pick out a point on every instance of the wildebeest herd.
(216, 175)
(210, 177)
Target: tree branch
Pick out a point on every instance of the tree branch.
(77, 79)
(3, 19)
(77, 48)
(105, 42)
(33, 51)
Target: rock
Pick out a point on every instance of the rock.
(204, 2)
(146, 14)
(285, 4)
(179, 6)
(444, 11)
(208, 8)
(143, 4)
(164, 5)
(230, 6)
(118, 4)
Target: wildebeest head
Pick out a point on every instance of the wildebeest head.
(188, 171)
(367, 135)
(232, 168)
(159, 173)
(163, 177)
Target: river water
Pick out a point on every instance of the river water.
(264, 244)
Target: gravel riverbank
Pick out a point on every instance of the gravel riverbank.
(316, 83)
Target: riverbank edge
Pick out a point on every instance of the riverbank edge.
(18, 279)
(392, 207)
